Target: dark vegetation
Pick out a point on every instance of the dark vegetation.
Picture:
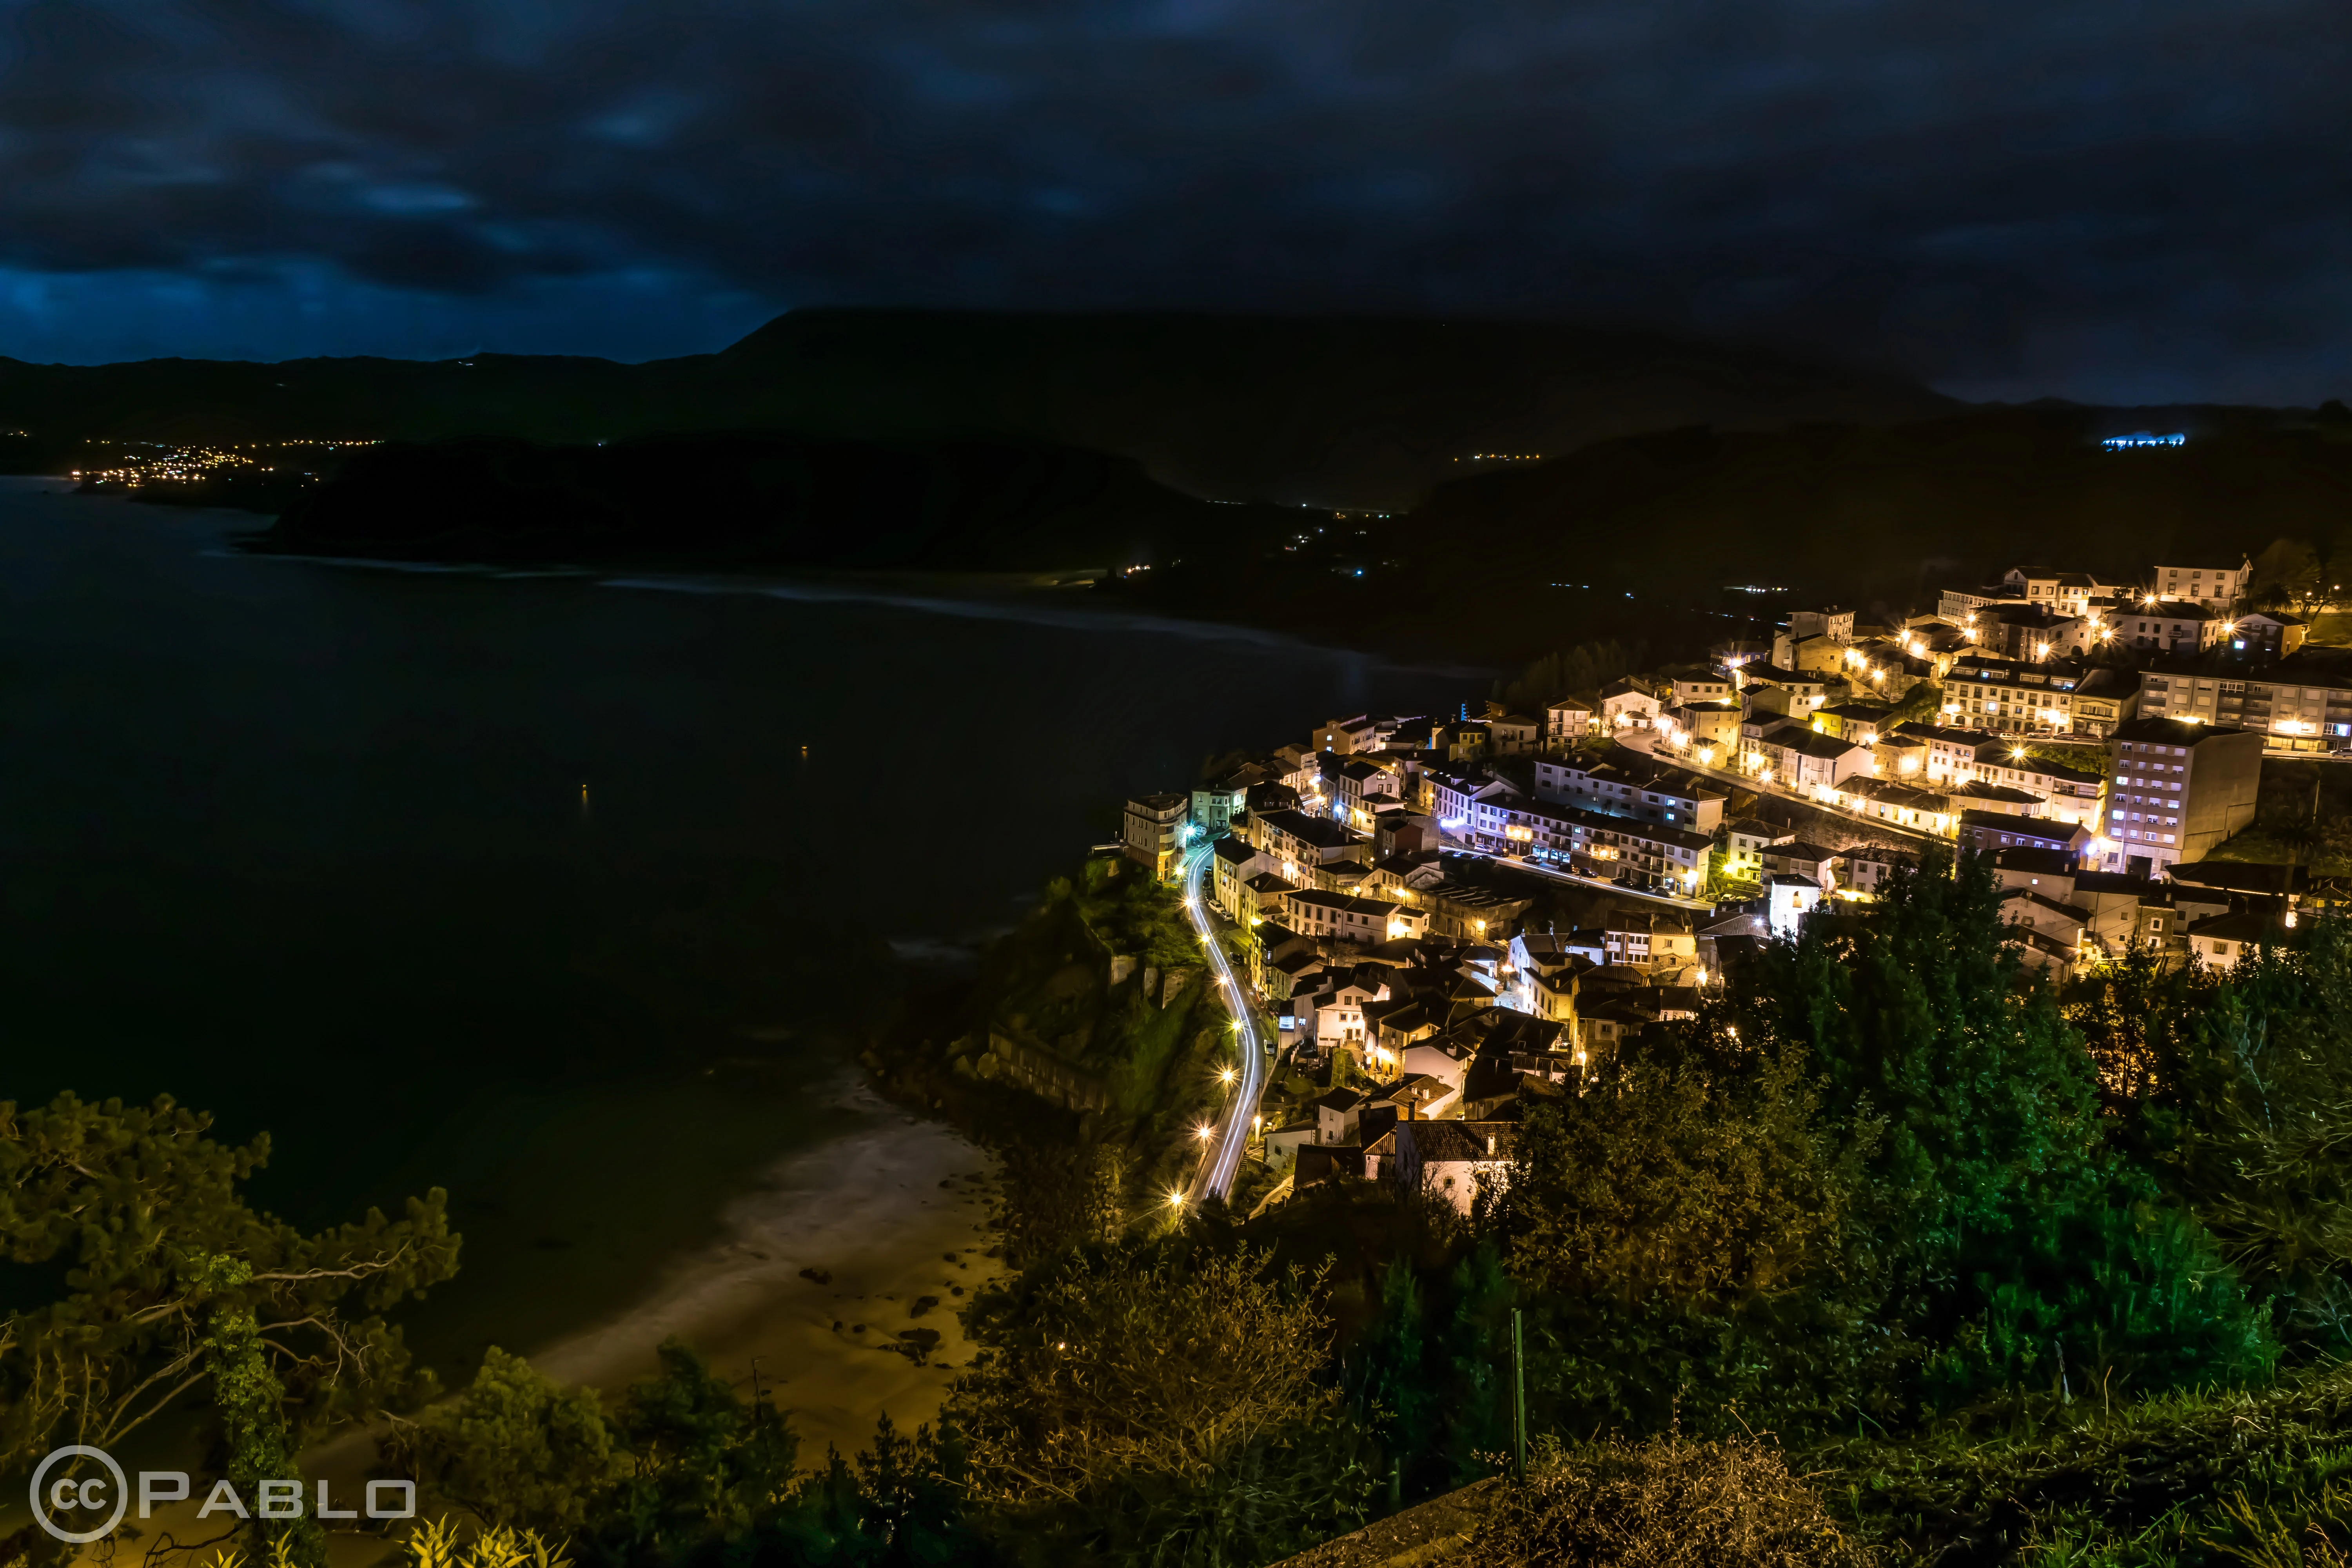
(747, 500)
(1893, 1254)
(1088, 1086)
(2303, 817)
(1667, 1503)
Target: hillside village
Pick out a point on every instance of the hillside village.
(1445, 916)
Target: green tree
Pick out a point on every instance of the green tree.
(680, 1470)
(705, 1467)
(1694, 1169)
(1921, 704)
(1994, 1205)
(1583, 670)
(516, 1449)
(2247, 1116)
(161, 1285)
(1160, 1403)
(1427, 1374)
(1683, 1226)
(2288, 575)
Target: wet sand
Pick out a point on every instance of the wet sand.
(879, 1210)
(869, 1207)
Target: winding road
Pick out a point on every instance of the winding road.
(1229, 1140)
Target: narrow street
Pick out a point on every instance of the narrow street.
(1230, 1141)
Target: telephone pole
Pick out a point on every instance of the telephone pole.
(1519, 1400)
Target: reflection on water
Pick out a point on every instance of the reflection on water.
(563, 897)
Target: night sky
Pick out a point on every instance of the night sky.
(2116, 202)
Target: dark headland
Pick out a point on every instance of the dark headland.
(1476, 486)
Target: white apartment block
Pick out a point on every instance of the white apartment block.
(2213, 587)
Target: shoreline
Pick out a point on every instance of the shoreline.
(879, 1210)
(1028, 596)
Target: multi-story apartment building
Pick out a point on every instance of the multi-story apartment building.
(2215, 588)
(1337, 917)
(2104, 698)
(1633, 788)
(1708, 730)
(2266, 634)
(2299, 704)
(1961, 606)
(2031, 632)
(1649, 938)
(1624, 702)
(1714, 686)
(1298, 843)
(1856, 721)
(1363, 733)
(2177, 791)
(1567, 720)
(1835, 623)
(1235, 861)
(1951, 756)
(1452, 796)
(2170, 626)
(1357, 785)
(1782, 690)
(1595, 844)
(2067, 794)
(2067, 593)
(1153, 831)
(2014, 696)
(1802, 757)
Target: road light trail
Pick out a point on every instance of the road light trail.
(1230, 1132)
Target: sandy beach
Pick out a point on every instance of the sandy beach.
(880, 1209)
(895, 1215)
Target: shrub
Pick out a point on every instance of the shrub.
(1665, 1503)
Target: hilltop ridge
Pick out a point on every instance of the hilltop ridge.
(1350, 412)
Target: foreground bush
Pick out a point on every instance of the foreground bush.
(1669, 1502)
(2196, 1478)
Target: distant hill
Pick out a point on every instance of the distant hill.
(223, 401)
(1635, 538)
(1337, 412)
(1638, 538)
(1344, 412)
(947, 440)
(1887, 513)
(748, 500)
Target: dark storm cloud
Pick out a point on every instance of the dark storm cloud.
(2105, 199)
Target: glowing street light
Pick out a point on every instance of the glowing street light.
(1202, 1133)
